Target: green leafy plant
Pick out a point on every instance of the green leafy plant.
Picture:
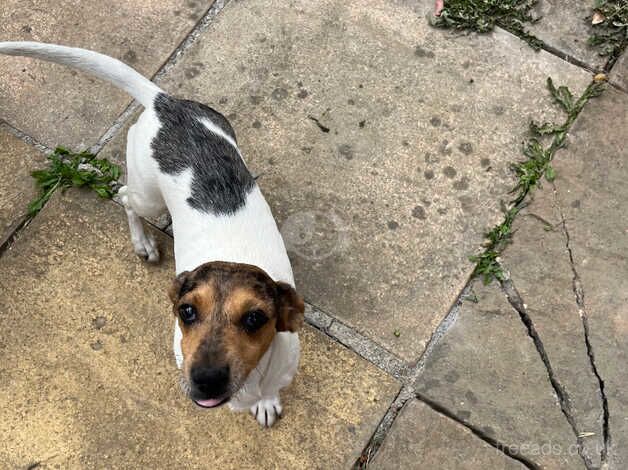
(610, 27)
(67, 169)
(483, 15)
(530, 172)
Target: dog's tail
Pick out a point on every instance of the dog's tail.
(100, 65)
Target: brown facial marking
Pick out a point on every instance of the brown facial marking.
(223, 294)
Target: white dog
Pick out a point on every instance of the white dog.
(234, 300)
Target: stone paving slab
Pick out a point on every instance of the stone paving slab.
(539, 265)
(592, 193)
(88, 378)
(422, 438)
(487, 372)
(17, 188)
(384, 145)
(59, 106)
(619, 73)
(566, 26)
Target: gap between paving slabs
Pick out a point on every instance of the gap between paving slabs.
(608, 20)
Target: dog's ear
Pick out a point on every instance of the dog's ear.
(291, 308)
(180, 286)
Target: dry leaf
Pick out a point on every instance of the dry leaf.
(600, 77)
(598, 17)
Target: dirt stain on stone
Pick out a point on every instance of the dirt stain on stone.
(279, 94)
(452, 376)
(393, 225)
(255, 99)
(419, 213)
(99, 322)
(303, 94)
(435, 121)
(485, 163)
(462, 184)
(130, 57)
(466, 148)
(256, 124)
(421, 52)
(429, 174)
(444, 148)
(449, 172)
(346, 151)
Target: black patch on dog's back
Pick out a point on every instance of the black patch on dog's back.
(220, 180)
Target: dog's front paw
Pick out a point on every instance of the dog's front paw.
(146, 248)
(267, 411)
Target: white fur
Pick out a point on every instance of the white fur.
(248, 236)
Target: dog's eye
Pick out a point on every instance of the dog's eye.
(187, 313)
(253, 320)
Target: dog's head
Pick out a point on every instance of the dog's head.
(229, 314)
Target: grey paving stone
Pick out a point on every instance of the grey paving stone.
(59, 106)
(17, 188)
(592, 192)
(538, 262)
(421, 438)
(89, 380)
(487, 372)
(564, 26)
(619, 73)
(383, 145)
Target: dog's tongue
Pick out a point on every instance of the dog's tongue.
(209, 403)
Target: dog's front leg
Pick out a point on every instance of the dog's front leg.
(267, 410)
(144, 245)
(279, 366)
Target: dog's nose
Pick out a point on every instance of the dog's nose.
(210, 381)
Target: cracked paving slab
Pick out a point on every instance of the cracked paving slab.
(540, 268)
(487, 373)
(88, 377)
(17, 188)
(383, 145)
(423, 438)
(57, 105)
(592, 193)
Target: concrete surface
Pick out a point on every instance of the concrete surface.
(592, 193)
(89, 379)
(565, 25)
(17, 188)
(422, 438)
(619, 74)
(384, 148)
(383, 200)
(487, 372)
(60, 106)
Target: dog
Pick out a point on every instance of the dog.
(236, 309)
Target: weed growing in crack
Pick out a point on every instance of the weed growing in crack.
(67, 169)
(530, 173)
(610, 27)
(483, 15)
